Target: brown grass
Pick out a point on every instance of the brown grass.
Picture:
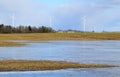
(56, 36)
(61, 36)
(10, 44)
(29, 65)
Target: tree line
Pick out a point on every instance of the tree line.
(24, 29)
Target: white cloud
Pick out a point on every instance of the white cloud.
(102, 14)
(26, 12)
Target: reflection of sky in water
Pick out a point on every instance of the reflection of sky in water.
(74, 51)
(102, 72)
(78, 51)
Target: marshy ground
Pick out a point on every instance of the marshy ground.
(56, 36)
(25, 65)
(35, 65)
(10, 44)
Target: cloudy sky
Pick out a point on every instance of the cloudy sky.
(66, 14)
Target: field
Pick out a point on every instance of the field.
(23, 65)
(61, 36)
(56, 36)
(10, 44)
(17, 65)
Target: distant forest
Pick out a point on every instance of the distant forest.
(24, 29)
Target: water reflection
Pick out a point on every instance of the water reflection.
(73, 51)
(102, 72)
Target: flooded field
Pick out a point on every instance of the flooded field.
(103, 52)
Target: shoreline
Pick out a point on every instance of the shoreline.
(54, 36)
(11, 44)
(42, 65)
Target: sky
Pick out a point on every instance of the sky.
(101, 15)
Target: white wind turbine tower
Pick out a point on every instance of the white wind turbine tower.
(0, 21)
(50, 21)
(84, 23)
(13, 19)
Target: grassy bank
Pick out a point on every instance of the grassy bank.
(10, 44)
(22, 65)
(57, 36)
(61, 36)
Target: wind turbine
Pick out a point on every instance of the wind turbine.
(50, 21)
(0, 21)
(13, 19)
(84, 23)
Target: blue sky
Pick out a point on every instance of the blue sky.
(66, 14)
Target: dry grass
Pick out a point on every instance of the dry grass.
(57, 36)
(61, 36)
(10, 44)
(29, 65)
